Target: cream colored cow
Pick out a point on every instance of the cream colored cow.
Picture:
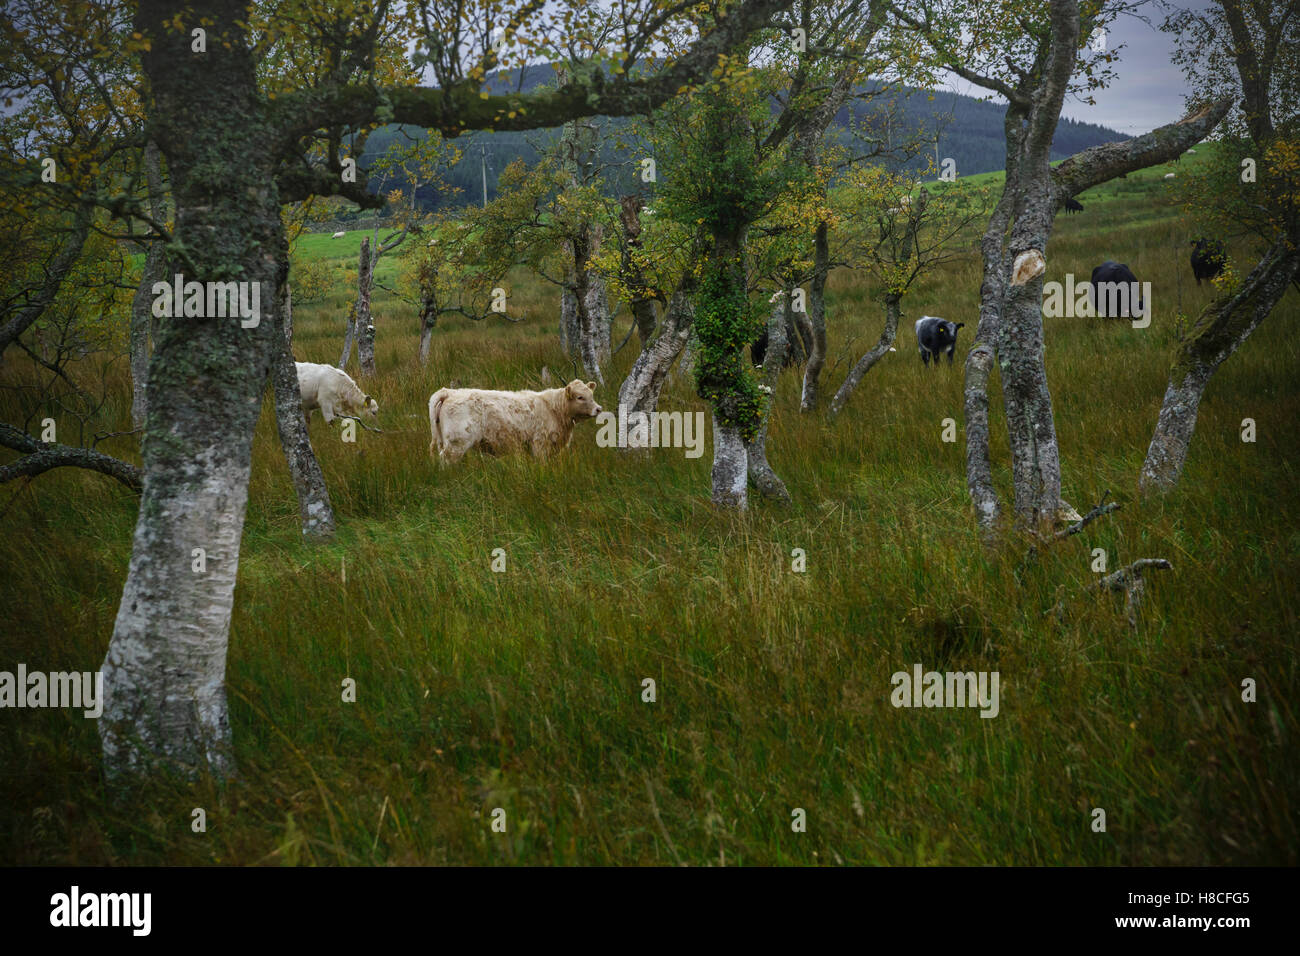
(503, 422)
(332, 391)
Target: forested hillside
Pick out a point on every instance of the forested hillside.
(970, 132)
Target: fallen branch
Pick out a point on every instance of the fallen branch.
(1127, 579)
(1101, 509)
(40, 458)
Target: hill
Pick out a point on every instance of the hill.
(969, 131)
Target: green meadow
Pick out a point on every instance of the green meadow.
(522, 691)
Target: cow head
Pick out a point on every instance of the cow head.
(945, 333)
(370, 408)
(581, 400)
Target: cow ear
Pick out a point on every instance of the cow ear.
(592, 386)
(568, 390)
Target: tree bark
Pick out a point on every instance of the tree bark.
(642, 307)
(164, 672)
(640, 390)
(729, 467)
(365, 322)
(598, 309)
(979, 361)
(979, 468)
(570, 333)
(582, 301)
(806, 142)
(1221, 329)
(874, 355)
(308, 482)
(729, 487)
(142, 304)
(1035, 458)
(768, 483)
(428, 319)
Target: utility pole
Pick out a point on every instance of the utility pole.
(483, 156)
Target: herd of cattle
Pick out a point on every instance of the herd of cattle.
(463, 418)
(499, 422)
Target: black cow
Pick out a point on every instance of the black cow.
(1113, 283)
(935, 335)
(1208, 258)
(1073, 205)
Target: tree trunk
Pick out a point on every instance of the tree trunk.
(817, 320)
(1035, 457)
(729, 467)
(640, 390)
(643, 314)
(877, 352)
(768, 483)
(142, 305)
(685, 370)
(570, 333)
(428, 319)
(598, 309)
(1221, 329)
(308, 481)
(582, 299)
(642, 308)
(723, 364)
(365, 321)
(164, 673)
(359, 312)
(979, 361)
(349, 332)
(979, 468)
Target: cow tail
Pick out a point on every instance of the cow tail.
(435, 425)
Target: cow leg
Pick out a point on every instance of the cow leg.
(950, 352)
(925, 357)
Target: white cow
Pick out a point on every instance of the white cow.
(332, 391)
(502, 422)
(339, 235)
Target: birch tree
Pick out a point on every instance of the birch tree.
(1250, 52)
(1032, 58)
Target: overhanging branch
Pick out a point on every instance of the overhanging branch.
(1099, 164)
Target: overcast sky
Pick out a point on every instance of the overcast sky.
(1148, 90)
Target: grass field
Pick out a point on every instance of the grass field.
(523, 690)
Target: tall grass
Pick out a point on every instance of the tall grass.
(523, 690)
